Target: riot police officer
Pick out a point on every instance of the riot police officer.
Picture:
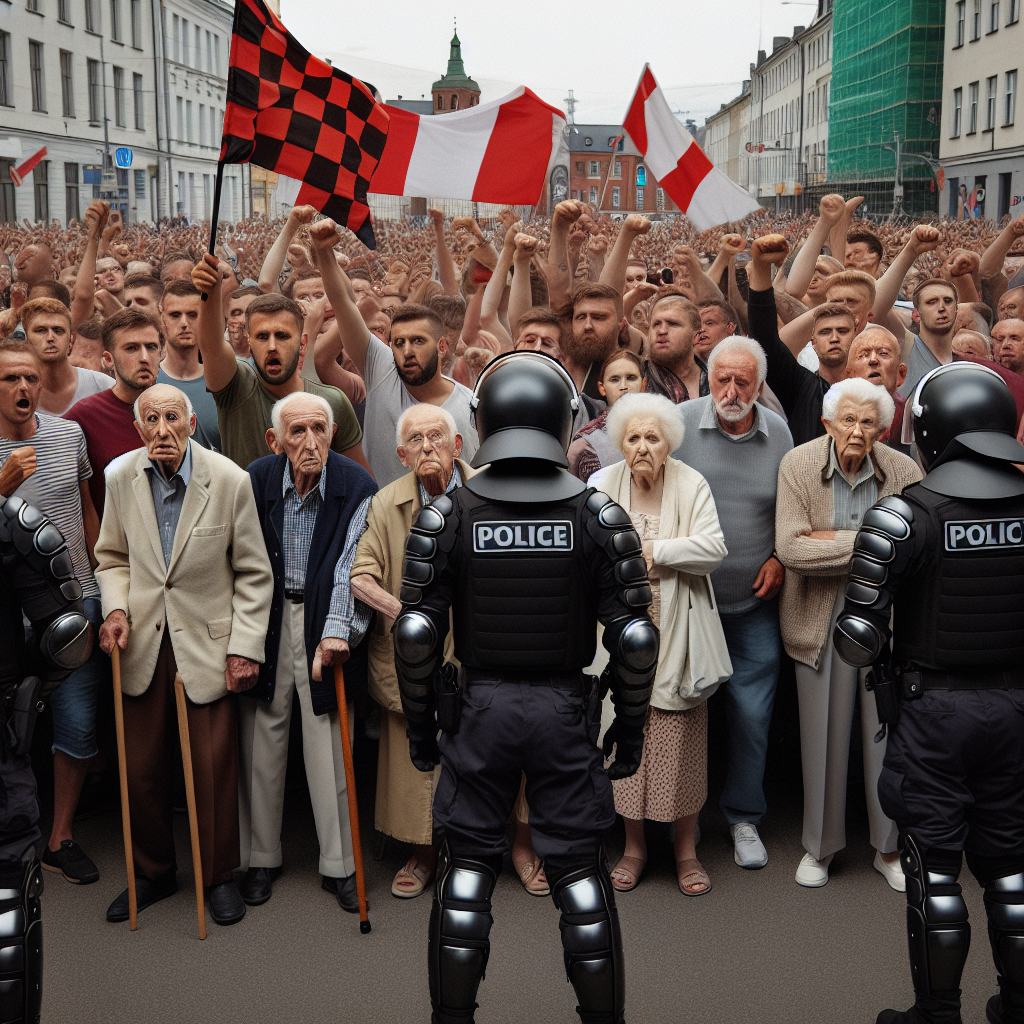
(947, 558)
(529, 560)
(37, 580)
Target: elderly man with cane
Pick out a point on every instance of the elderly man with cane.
(311, 504)
(186, 587)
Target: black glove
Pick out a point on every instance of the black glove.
(628, 741)
(424, 752)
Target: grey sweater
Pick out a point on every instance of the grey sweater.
(743, 476)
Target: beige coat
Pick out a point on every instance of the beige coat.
(694, 658)
(816, 569)
(215, 595)
(380, 554)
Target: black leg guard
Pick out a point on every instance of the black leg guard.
(582, 891)
(937, 930)
(21, 942)
(460, 921)
(1004, 904)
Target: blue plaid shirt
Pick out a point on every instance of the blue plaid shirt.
(299, 523)
(348, 619)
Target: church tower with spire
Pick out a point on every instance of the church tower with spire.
(456, 90)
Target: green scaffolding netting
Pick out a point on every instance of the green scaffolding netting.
(886, 77)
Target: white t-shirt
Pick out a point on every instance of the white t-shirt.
(386, 399)
(90, 382)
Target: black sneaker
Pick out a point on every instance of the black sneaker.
(72, 862)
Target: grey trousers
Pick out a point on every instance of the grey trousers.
(826, 696)
(263, 753)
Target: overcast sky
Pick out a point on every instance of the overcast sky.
(700, 51)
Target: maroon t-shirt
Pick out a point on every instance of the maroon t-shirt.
(109, 428)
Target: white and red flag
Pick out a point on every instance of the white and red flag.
(702, 192)
(498, 152)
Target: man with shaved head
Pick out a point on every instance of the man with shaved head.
(193, 597)
(1008, 343)
(311, 503)
(1011, 304)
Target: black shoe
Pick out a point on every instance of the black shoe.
(995, 1012)
(257, 885)
(72, 862)
(225, 903)
(146, 894)
(345, 890)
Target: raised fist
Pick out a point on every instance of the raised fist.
(963, 263)
(831, 208)
(526, 244)
(1017, 226)
(598, 245)
(511, 230)
(733, 245)
(437, 216)
(324, 235)
(769, 249)
(296, 256)
(206, 274)
(636, 225)
(852, 204)
(302, 214)
(925, 238)
(96, 215)
(568, 210)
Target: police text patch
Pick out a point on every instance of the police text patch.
(981, 534)
(532, 536)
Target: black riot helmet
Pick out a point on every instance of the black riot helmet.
(524, 406)
(968, 404)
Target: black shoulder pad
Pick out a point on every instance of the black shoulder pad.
(443, 504)
(609, 526)
(891, 516)
(422, 550)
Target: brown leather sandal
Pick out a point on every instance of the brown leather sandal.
(627, 873)
(690, 874)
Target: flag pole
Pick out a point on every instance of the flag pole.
(215, 212)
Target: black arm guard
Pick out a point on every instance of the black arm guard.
(419, 630)
(631, 640)
(880, 553)
(37, 567)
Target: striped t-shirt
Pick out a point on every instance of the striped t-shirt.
(54, 487)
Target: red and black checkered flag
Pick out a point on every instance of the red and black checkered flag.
(291, 112)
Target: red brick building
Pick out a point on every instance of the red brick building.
(456, 90)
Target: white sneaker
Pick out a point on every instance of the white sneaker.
(813, 873)
(892, 873)
(748, 850)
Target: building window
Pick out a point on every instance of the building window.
(961, 21)
(616, 194)
(209, 53)
(5, 70)
(119, 118)
(92, 16)
(972, 113)
(659, 199)
(32, 5)
(95, 100)
(976, 21)
(617, 169)
(35, 66)
(440, 103)
(40, 184)
(189, 126)
(594, 171)
(1011, 97)
(136, 15)
(1013, 16)
(180, 104)
(175, 38)
(588, 141)
(958, 103)
(990, 104)
(140, 184)
(198, 62)
(455, 103)
(979, 186)
(216, 54)
(64, 11)
(184, 41)
(67, 87)
(593, 195)
(71, 209)
(115, 20)
(140, 108)
(639, 198)
(993, 16)
(579, 166)
(202, 125)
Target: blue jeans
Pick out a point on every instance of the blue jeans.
(73, 703)
(755, 646)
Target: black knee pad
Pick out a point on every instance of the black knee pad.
(460, 921)
(1004, 905)
(21, 942)
(591, 940)
(938, 932)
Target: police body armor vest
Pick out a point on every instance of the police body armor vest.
(964, 608)
(526, 599)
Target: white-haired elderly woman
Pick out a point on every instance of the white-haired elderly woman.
(825, 487)
(674, 513)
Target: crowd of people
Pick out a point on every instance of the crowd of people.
(235, 446)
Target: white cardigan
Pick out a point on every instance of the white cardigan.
(694, 658)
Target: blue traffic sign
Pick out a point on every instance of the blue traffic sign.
(123, 157)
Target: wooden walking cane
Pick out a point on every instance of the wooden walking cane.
(353, 805)
(122, 771)
(190, 799)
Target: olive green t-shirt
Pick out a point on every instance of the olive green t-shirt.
(243, 413)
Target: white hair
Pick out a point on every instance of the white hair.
(644, 406)
(859, 390)
(188, 403)
(443, 414)
(735, 344)
(292, 399)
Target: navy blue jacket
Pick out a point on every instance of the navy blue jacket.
(348, 484)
